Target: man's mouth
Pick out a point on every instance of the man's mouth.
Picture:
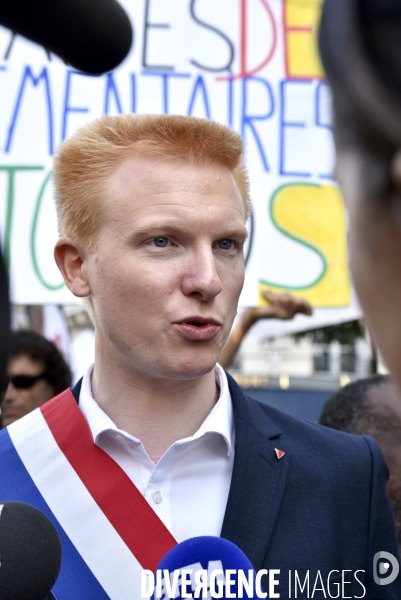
(198, 328)
(199, 321)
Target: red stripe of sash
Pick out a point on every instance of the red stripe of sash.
(122, 503)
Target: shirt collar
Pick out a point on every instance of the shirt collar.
(220, 420)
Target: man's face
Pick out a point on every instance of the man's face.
(18, 402)
(168, 270)
(375, 247)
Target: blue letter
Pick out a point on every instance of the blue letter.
(199, 84)
(111, 88)
(67, 108)
(133, 93)
(247, 120)
(286, 124)
(230, 100)
(318, 119)
(28, 75)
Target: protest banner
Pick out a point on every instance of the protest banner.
(251, 64)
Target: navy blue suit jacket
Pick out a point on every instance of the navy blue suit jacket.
(321, 507)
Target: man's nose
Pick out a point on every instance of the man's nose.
(201, 278)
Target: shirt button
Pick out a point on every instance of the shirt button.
(157, 497)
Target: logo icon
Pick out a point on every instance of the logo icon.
(383, 567)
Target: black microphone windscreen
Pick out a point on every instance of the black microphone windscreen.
(30, 552)
(93, 36)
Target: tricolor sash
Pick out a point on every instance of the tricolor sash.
(107, 529)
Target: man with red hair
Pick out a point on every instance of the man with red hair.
(157, 444)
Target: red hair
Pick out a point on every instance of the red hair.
(85, 161)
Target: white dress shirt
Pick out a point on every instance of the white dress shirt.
(188, 487)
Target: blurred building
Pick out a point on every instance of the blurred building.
(299, 375)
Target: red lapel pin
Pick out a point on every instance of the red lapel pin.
(279, 453)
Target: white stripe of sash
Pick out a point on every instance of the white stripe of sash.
(99, 544)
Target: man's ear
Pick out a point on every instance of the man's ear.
(70, 260)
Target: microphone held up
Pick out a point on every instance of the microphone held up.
(30, 553)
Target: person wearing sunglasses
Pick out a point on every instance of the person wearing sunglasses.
(36, 372)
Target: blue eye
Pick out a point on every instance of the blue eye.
(225, 244)
(160, 242)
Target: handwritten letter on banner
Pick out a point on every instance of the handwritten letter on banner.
(251, 64)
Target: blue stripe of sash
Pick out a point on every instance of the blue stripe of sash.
(75, 581)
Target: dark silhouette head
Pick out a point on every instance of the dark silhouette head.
(372, 407)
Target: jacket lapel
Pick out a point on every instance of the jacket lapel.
(258, 479)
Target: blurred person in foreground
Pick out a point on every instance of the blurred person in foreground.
(372, 406)
(36, 372)
(157, 443)
(360, 44)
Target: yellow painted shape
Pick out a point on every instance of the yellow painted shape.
(303, 13)
(301, 46)
(315, 216)
(303, 57)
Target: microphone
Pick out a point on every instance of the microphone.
(30, 553)
(216, 568)
(93, 36)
